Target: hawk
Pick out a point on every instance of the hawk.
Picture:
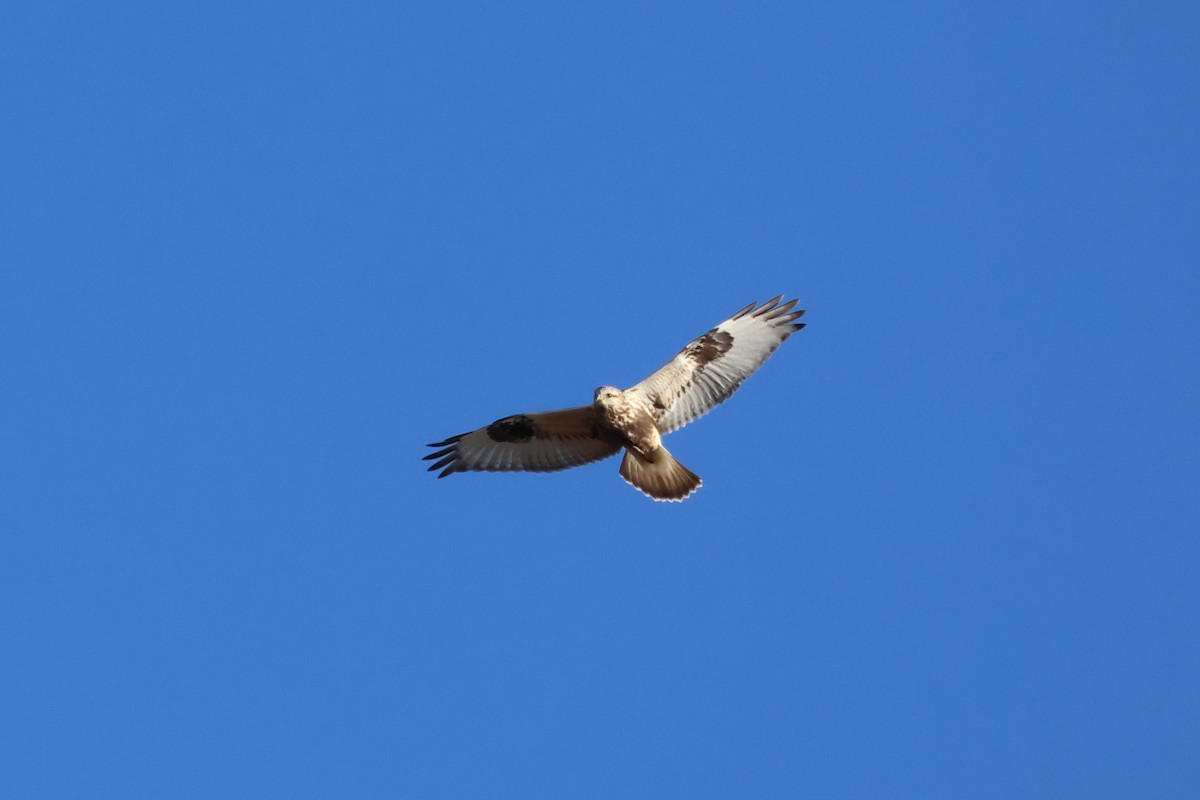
(699, 377)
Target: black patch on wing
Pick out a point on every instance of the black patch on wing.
(710, 347)
(511, 429)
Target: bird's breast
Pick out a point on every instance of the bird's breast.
(634, 424)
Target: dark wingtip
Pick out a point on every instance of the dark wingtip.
(448, 442)
(769, 305)
(743, 312)
(448, 470)
(783, 309)
(449, 458)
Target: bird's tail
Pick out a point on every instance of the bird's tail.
(659, 475)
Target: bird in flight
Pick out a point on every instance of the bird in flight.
(699, 377)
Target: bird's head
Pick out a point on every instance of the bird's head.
(605, 394)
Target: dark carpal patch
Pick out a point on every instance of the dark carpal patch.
(511, 429)
(710, 346)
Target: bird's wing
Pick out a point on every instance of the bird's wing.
(543, 442)
(713, 366)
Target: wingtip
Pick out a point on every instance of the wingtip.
(448, 458)
(770, 309)
(768, 306)
(780, 314)
(743, 312)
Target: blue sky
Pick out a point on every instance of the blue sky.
(254, 256)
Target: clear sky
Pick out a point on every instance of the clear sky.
(253, 256)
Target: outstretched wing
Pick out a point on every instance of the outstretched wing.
(545, 442)
(712, 367)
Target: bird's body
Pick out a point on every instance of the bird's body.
(700, 376)
(630, 416)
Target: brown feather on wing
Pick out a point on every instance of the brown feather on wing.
(542, 442)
